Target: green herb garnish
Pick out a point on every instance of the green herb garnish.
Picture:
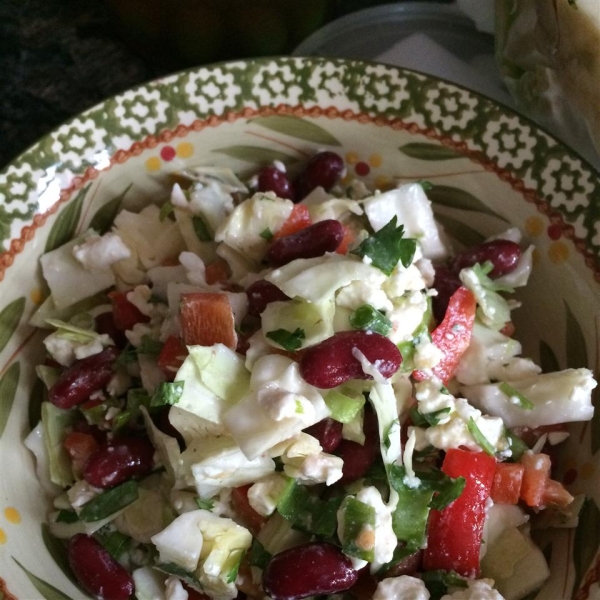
(109, 502)
(388, 246)
(266, 234)
(479, 437)
(369, 318)
(67, 516)
(289, 340)
(516, 397)
(258, 557)
(167, 393)
(425, 419)
(204, 504)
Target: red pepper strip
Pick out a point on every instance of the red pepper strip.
(454, 534)
(453, 335)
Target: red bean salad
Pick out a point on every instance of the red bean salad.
(286, 388)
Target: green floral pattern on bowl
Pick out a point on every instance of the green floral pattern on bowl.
(490, 169)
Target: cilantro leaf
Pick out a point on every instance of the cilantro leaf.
(289, 340)
(205, 504)
(387, 246)
(369, 318)
(167, 393)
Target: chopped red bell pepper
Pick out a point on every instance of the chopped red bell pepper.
(453, 335)
(207, 319)
(171, 356)
(454, 534)
(508, 479)
(125, 314)
(535, 477)
(299, 219)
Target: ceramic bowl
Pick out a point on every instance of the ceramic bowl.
(491, 169)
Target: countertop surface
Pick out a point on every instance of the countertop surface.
(60, 57)
(57, 58)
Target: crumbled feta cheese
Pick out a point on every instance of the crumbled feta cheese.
(80, 493)
(140, 297)
(479, 589)
(454, 432)
(65, 351)
(315, 468)
(431, 398)
(139, 331)
(100, 252)
(119, 383)
(194, 266)
(280, 404)
(427, 355)
(264, 495)
(426, 269)
(385, 538)
(92, 347)
(404, 587)
(406, 316)
(403, 279)
(358, 293)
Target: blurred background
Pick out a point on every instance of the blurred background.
(59, 57)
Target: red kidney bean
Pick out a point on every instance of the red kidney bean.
(445, 283)
(310, 242)
(83, 378)
(308, 570)
(328, 432)
(118, 461)
(323, 169)
(97, 571)
(271, 179)
(261, 293)
(331, 363)
(358, 458)
(503, 254)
